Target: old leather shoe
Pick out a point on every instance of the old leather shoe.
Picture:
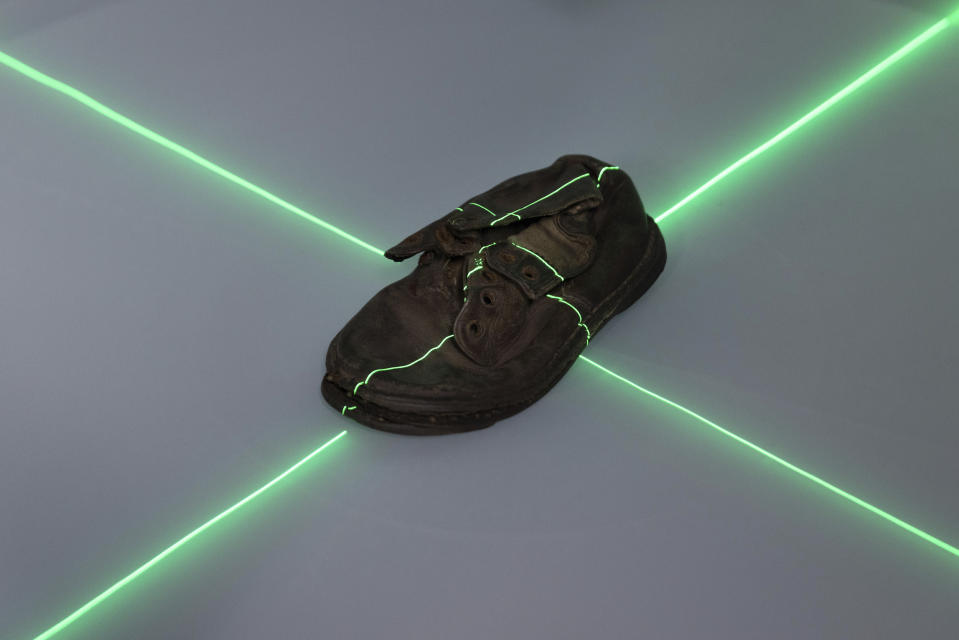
(509, 288)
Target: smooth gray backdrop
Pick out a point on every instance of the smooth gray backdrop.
(163, 333)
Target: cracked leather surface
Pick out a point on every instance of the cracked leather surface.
(488, 274)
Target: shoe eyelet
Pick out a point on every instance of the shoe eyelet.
(488, 298)
(529, 272)
(475, 329)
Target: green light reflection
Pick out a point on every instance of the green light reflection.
(143, 131)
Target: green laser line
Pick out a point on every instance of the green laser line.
(476, 204)
(401, 366)
(515, 212)
(784, 463)
(540, 258)
(107, 112)
(578, 314)
(116, 117)
(599, 178)
(70, 619)
(845, 92)
(837, 97)
(178, 149)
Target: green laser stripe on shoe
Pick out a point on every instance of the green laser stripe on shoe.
(473, 270)
(73, 617)
(110, 114)
(533, 253)
(478, 267)
(402, 366)
(599, 178)
(578, 314)
(780, 461)
(557, 190)
(526, 206)
(476, 204)
(78, 96)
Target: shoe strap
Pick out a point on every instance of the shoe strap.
(569, 186)
(542, 256)
(561, 187)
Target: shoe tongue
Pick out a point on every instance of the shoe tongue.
(436, 236)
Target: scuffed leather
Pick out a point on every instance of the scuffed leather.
(524, 270)
(492, 317)
(470, 226)
(553, 220)
(529, 196)
(488, 279)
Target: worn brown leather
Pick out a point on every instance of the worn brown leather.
(507, 291)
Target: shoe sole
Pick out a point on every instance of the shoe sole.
(629, 291)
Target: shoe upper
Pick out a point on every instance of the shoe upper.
(507, 285)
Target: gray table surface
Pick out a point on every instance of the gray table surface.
(164, 333)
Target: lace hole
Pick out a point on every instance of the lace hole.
(474, 328)
(529, 273)
(488, 298)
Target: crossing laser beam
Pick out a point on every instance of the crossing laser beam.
(146, 566)
(840, 95)
(105, 111)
